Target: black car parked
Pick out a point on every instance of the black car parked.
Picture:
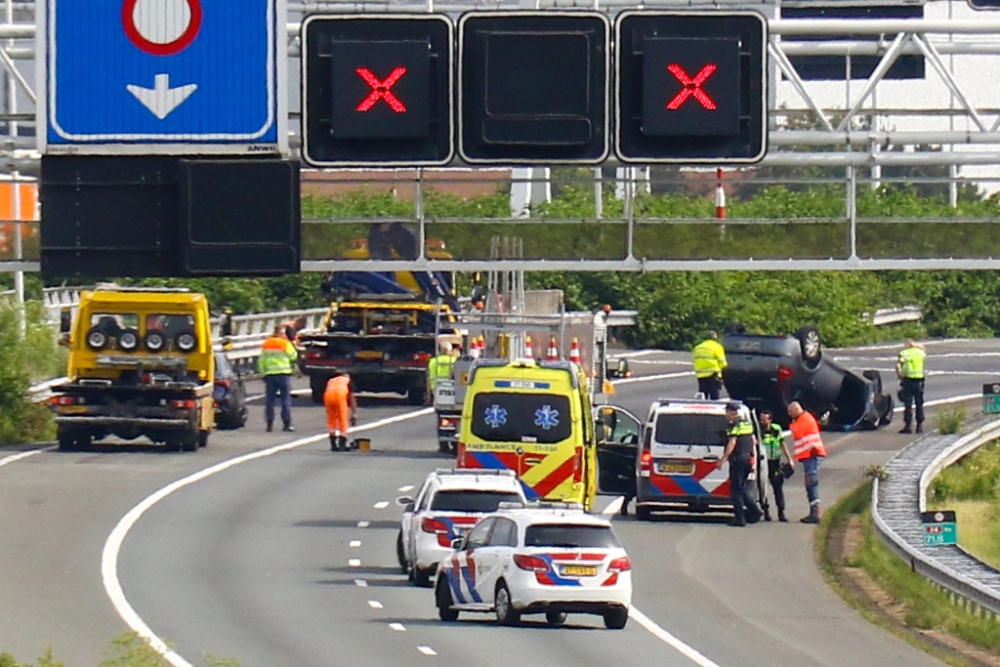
(230, 395)
(769, 372)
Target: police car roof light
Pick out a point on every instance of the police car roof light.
(475, 471)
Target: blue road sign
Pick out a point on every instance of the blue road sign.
(155, 76)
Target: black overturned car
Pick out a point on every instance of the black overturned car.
(769, 372)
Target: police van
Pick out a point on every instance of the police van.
(677, 468)
(535, 418)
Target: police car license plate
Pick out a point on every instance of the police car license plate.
(675, 468)
(579, 570)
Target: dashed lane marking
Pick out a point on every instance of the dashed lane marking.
(363, 524)
(354, 562)
(397, 627)
(361, 583)
(382, 504)
(426, 650)
(355, 544)
(374, 604)
(113, 545)
(405, 488)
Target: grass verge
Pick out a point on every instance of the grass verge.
(883, 589)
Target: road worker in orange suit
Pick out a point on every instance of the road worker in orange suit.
(341, 410)
(809, 450)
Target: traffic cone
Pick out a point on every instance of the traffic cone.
(528, 352)
(574, 352)
(553, 353)
(474, 347)
(482, 347)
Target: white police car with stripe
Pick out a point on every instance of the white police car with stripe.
(537, 560)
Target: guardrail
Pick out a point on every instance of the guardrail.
(896, 505)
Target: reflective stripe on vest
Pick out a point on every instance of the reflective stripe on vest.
(339, 385)
(773, 441)
(805, 433)
(911, 361)
(276, 357)
(709, 358)
(439, 368)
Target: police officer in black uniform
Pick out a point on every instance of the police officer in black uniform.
(740, 445)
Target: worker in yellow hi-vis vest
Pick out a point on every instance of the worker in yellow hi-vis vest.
(910, 369)
(709, 362)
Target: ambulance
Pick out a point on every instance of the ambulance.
(535, 418)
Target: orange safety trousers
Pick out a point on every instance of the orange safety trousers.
(337, 412)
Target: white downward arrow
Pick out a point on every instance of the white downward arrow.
(162, 99)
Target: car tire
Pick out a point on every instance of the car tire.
(404, 567)
(555, 618)
(422, 577)
(506, 614)
(442, 597)
(886, 419)
(810, 345)
(643, 513)
(67, 441)
(616, 618)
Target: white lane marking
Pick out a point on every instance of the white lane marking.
(688, 652)
(354, 562)
(7, 460)
(397, 627)
(613, 507)
(361, 583)
(295, 392)
(405, 488)
(374, 604)
(113, 545)
(363, 524)
(355, 544)
(944, 401)
(382, 504)
(651, 378)
(639, 353)
(426, 650)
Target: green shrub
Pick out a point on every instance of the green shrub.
(22, 360)
(973, 477)
(949, 420)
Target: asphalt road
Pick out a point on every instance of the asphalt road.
(288, 558)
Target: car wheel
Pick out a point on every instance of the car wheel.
(886, 418)
(615, 619)
(809, 344)
(442, 595)
(422, 577)
(404, 567)
(67, 441)
(555, 618)
(643, 513)
(506, 614)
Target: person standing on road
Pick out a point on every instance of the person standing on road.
(809, 449)
(740, 446)
(439, 368)
(276, 362)
(775, 446)
(341, 409)
(910, 369)
(709, 362)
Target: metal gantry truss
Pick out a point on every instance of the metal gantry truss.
(858, 131)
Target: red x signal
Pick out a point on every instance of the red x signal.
(692, 87)
(381, 89)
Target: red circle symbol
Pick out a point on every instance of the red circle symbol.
(141, 35)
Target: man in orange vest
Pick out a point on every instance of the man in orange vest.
(809, 449)
(341, 410)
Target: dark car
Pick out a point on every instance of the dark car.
(230, 395)
(769, 372)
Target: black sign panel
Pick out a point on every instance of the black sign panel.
(696, 92)
(984, 4)
(691, 87)
(533, 87)
(938, 516)
(380, 89)
(377, 90)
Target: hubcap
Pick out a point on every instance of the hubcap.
(812, 344)
(502, 603)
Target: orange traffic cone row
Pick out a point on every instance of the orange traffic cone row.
(474, 347)
(574, 352)
(553, 353)
(528, 352)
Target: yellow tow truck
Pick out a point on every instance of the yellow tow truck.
(141, 364)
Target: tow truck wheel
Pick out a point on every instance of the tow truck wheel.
(67, 442)
(203, 439)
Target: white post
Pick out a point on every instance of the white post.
(16, 195)
(598, 191)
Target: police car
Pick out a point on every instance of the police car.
(537, 560)
(448, 503)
